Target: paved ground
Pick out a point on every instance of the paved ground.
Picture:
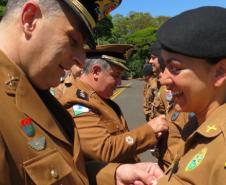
(130, 99)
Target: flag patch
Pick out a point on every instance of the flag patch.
(79, 109)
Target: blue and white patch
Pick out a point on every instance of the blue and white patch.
(79, 109)
(169, 96)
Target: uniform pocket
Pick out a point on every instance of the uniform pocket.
(112, 127)
(48, 168)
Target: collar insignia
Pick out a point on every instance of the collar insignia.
(196, 160)
(27, 126)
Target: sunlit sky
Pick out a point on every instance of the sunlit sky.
(164, 7)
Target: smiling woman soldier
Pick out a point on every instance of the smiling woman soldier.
(194, 50)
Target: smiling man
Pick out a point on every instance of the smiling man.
(101, 125)
(39, 143)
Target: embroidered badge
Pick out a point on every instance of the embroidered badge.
(210, 128)
(79, 109)
(129, 140)
(81, 94)
(196, 160)
(105, 7)
(175, 116)
(169, 96)
(27, 126)
(38, 143)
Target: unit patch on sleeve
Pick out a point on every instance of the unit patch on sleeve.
(79, 109)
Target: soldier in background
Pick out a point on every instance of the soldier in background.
(195, 58)
(103, 131)
(154, 106)
(148, 75)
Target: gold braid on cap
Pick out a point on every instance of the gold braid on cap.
(116, 61)
(84, 12)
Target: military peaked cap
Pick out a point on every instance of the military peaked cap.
(197, 33)
(116, 54)
(91, 11)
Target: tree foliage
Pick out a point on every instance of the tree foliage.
(103, 30)
(139, 29)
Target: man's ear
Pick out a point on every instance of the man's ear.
(30, 13)
(220, 73)
(96, 70)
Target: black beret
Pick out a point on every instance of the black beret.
(147, 70)
(155, 48)
(198, 33)
(92, 11)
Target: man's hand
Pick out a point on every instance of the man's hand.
(159, 125)
(138, 174)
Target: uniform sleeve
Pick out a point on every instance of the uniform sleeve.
(4, 169)
(98, 141)
(100, 173)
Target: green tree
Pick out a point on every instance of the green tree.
(103, 29)
(2, 7)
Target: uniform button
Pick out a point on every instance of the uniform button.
(117, 126)
(129, 140)
(54, 173)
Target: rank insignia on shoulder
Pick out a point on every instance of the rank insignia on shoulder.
(27, 126)
(81, 94)
(175, 116)
(38, 143)
(196, 160)
(79, 109)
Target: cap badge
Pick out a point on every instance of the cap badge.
(210, 128)
(81, 94)
(196, 160)
(105, 7)
(129, 140)
(79, 109)
(27, 126)
(38, 143)
(175, 116)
